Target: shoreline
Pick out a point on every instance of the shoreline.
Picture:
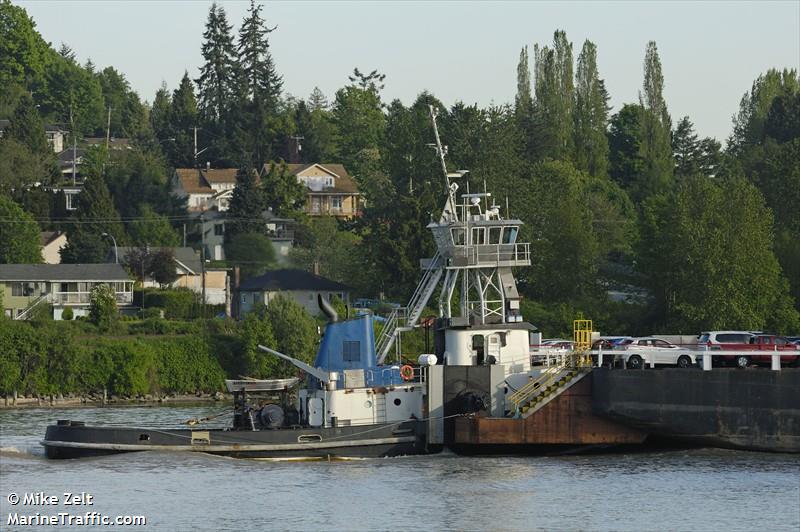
(8, 403)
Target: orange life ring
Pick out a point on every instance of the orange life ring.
(407, 372)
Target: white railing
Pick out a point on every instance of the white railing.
(84, 298)
(481, 255)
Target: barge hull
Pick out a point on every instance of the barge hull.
(752, 409)
(79, 441)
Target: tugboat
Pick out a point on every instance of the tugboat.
(354, 403)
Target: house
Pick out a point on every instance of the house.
(205, 189)
(55, 135)
(211, 227)
(26, 286)
(189, 267)
(52, 242)
(331, 191)
(300, 285)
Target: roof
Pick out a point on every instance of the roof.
(46, 237)
(343, 182)
(199, 181)
(186, 257)
(291, 279)
(63, 272)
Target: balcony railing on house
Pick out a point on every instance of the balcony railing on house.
(84, 298)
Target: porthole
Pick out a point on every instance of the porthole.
(397, 402)
(367, 404)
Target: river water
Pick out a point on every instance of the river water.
(699, 489)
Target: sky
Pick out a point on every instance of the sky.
(460, 51)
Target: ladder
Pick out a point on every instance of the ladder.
(404, 318)
(537, 393)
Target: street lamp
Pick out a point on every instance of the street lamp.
(114, 240)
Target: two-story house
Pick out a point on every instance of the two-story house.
(330, 190)
(26, 286)
(205, 189)
(302, 286)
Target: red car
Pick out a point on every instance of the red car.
(763, 345)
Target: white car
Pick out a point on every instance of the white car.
(638, 352)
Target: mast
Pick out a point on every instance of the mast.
(449, 214)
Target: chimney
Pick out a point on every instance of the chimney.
(316, 267)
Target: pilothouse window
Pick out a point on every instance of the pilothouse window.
(478, 235)
(510, 235)
(351, 351)
(458, 236)
(494, 235)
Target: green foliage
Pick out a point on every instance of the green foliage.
(182, 117)
(283, 193)
(253, 252)
(726, 275)
(152, 229)
(23, 52)
(177, 303)
(67, 314)
(19, 235)
(553, 108)
(294, 329)
(591, 115)
(336, 252)
(163, 267)
(247, 204)
(103, 307)
(359, 119)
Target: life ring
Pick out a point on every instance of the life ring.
(407, 372)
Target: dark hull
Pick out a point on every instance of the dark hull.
(753, 409)
(79, 441)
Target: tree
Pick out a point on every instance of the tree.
(103, 307)
(247, 204)
(624, 143)
(23, 52)
(554, 100)
(152, 229)
(253, 252)
(217, 82)
(726, 275)
(19, 235)
(685, 148)
(591, 115)
(283, 193)
(315, 125)
(335, 252)
(256, 330)
(259, 84)
(655, 124)
(94, 216)
(27, 128)
(19, 167)
(182, 120)
(160, 114)
(295, 330)
(162, 266)
(359, 119)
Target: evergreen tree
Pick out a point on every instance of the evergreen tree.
(523, 101)
(591, 115)
(624, 143)
(317, 101)
(19, 235)
(95, 215)
(27, 128)
(247, 204)
(259, 84)
(685, 148)
(152, 229)
(160, 115)
(182, 120)
(216, 75)
(655, 124)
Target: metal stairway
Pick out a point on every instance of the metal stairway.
(35, 303)
(404, 318)
(537, 393)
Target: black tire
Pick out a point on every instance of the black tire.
(684, 361)
(742, 361)
(635, 362)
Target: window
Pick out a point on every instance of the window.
(336, 203)
(351, 351)
(494, 235)
(70, 205)
(510, 235)
(17, 289)
(219, 229)
(661, 343)
(458, 236)
(478, 235)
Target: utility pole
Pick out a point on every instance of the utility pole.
(196, 152)
(203, 260)
(108, 127)
(74, 144)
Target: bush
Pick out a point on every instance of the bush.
(103, 307)
(178, 303)
(67, 314)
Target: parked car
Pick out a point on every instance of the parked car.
(558, 343)
(608, 342)
(715, 339)
(639, 352)
(762, 345)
